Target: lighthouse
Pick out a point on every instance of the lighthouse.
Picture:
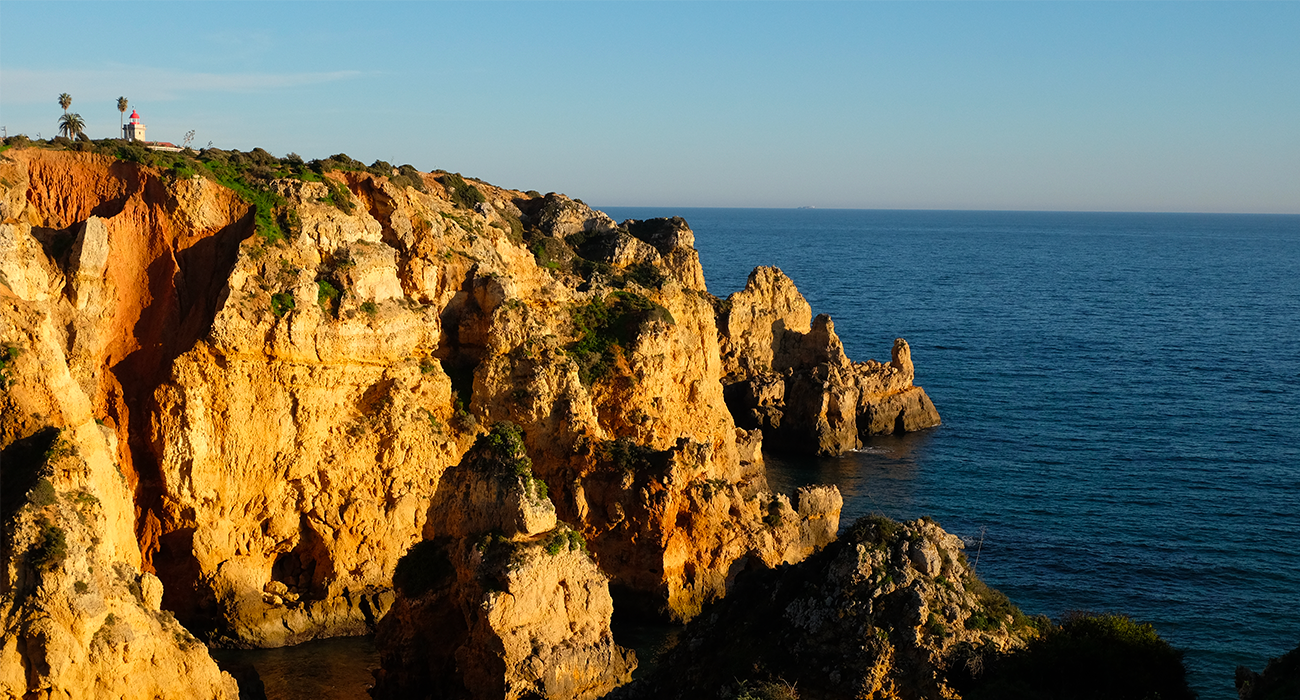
(135, 130)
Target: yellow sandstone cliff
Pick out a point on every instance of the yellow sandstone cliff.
(281, 412)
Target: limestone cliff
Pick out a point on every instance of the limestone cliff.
(787, 374)
(283, 384)
(504, 601)
(889, 611)
(81, 614)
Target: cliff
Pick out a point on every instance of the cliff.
(276, 373)
(890, 610)
(81, 612)
(505, 601)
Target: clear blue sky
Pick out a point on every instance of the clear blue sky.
(954, 105)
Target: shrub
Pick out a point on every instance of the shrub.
(540, 489)
(42, 494)
(994, 608)
(85, 498)
(369, 308)
(338, 196)
(51, 548)
(773, 517)
(557, 542)
(644, 274)
(59, 449)
(461, 193)
(1086, 657)
(564, 539)
(7, 356)
(424, 567)
(935, 627)
(327, 296)
(624, 455)
(876, 529)
(753, 690)
(407, 176)
(81, 587)
(461, 417)
(505, 446)
(605, 326)
(281, 303)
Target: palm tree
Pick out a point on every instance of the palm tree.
(71, 124)
(122, 104)
(65, 101)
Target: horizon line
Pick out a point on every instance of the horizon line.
(956, 210)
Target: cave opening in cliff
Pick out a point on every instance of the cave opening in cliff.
(303, 569)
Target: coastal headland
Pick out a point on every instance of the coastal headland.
(252, 401)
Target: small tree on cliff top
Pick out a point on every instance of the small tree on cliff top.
(122, 104)
(65, 101)
(71, 124)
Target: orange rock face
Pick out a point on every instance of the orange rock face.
(80, 610)
(283, 412)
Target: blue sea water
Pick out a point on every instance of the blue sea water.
(1120, 397)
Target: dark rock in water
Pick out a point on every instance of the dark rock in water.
(889, 611)
(1279, 681)
(245, 674)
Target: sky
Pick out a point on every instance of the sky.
(1105, 106)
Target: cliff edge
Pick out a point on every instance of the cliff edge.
(263, 370)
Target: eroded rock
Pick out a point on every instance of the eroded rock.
(502, 601)
(787, 374)
(888, 611)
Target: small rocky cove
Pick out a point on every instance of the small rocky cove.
(252, 402)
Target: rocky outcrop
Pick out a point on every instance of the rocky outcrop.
(888, 611)
(285, 390)
(81, 616)
(1279, 680)
(787, 374)
(503, 601)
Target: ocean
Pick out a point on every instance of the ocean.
(1120, 397)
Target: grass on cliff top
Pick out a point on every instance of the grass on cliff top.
(248, 174)
(462, 194)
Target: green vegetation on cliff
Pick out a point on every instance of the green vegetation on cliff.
(606, 327)
(1086, 657)
(248, 174)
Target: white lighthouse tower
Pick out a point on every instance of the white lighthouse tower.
(135, 130)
